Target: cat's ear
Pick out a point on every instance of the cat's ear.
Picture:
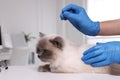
(58, 42)
(41, 34)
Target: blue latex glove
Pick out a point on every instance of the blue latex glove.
(103, 54)
(80, 20)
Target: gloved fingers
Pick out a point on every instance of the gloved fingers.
(71, 17)
(92, 55)
(96, 59)
(71, 8)
(100, 64)
(67, 9)
(62, 17)
(68, 15)
(94, 48)
(99, 43)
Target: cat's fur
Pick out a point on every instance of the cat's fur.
(64, 56)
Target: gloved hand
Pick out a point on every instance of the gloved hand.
(80, 20)
(103, 54)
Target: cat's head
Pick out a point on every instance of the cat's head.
(49, 46)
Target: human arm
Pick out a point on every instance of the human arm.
(111, 27)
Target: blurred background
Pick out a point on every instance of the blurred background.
(22, 20)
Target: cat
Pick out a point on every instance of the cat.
(64, 56)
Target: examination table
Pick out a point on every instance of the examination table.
(31, 73)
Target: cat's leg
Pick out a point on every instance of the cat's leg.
(115, 69)
(44, 68)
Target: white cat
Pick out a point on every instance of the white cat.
(64, 56)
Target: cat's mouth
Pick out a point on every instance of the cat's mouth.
(44, 59)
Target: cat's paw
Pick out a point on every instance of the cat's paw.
(45, 68)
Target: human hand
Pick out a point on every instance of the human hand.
(80, 20)
(102, 54)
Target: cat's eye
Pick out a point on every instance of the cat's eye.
(44, 51)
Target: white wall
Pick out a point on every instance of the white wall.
(18, 15)
(30, 16)
(47, 16)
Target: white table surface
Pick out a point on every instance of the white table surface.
(31, 73)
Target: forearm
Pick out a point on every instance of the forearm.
(111, 27)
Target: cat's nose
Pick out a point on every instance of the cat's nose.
(38, 56)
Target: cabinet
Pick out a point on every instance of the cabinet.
(5, 54)
(20, 56)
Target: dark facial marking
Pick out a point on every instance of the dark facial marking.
(57, 42)
(43, 50)
(45, 54)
